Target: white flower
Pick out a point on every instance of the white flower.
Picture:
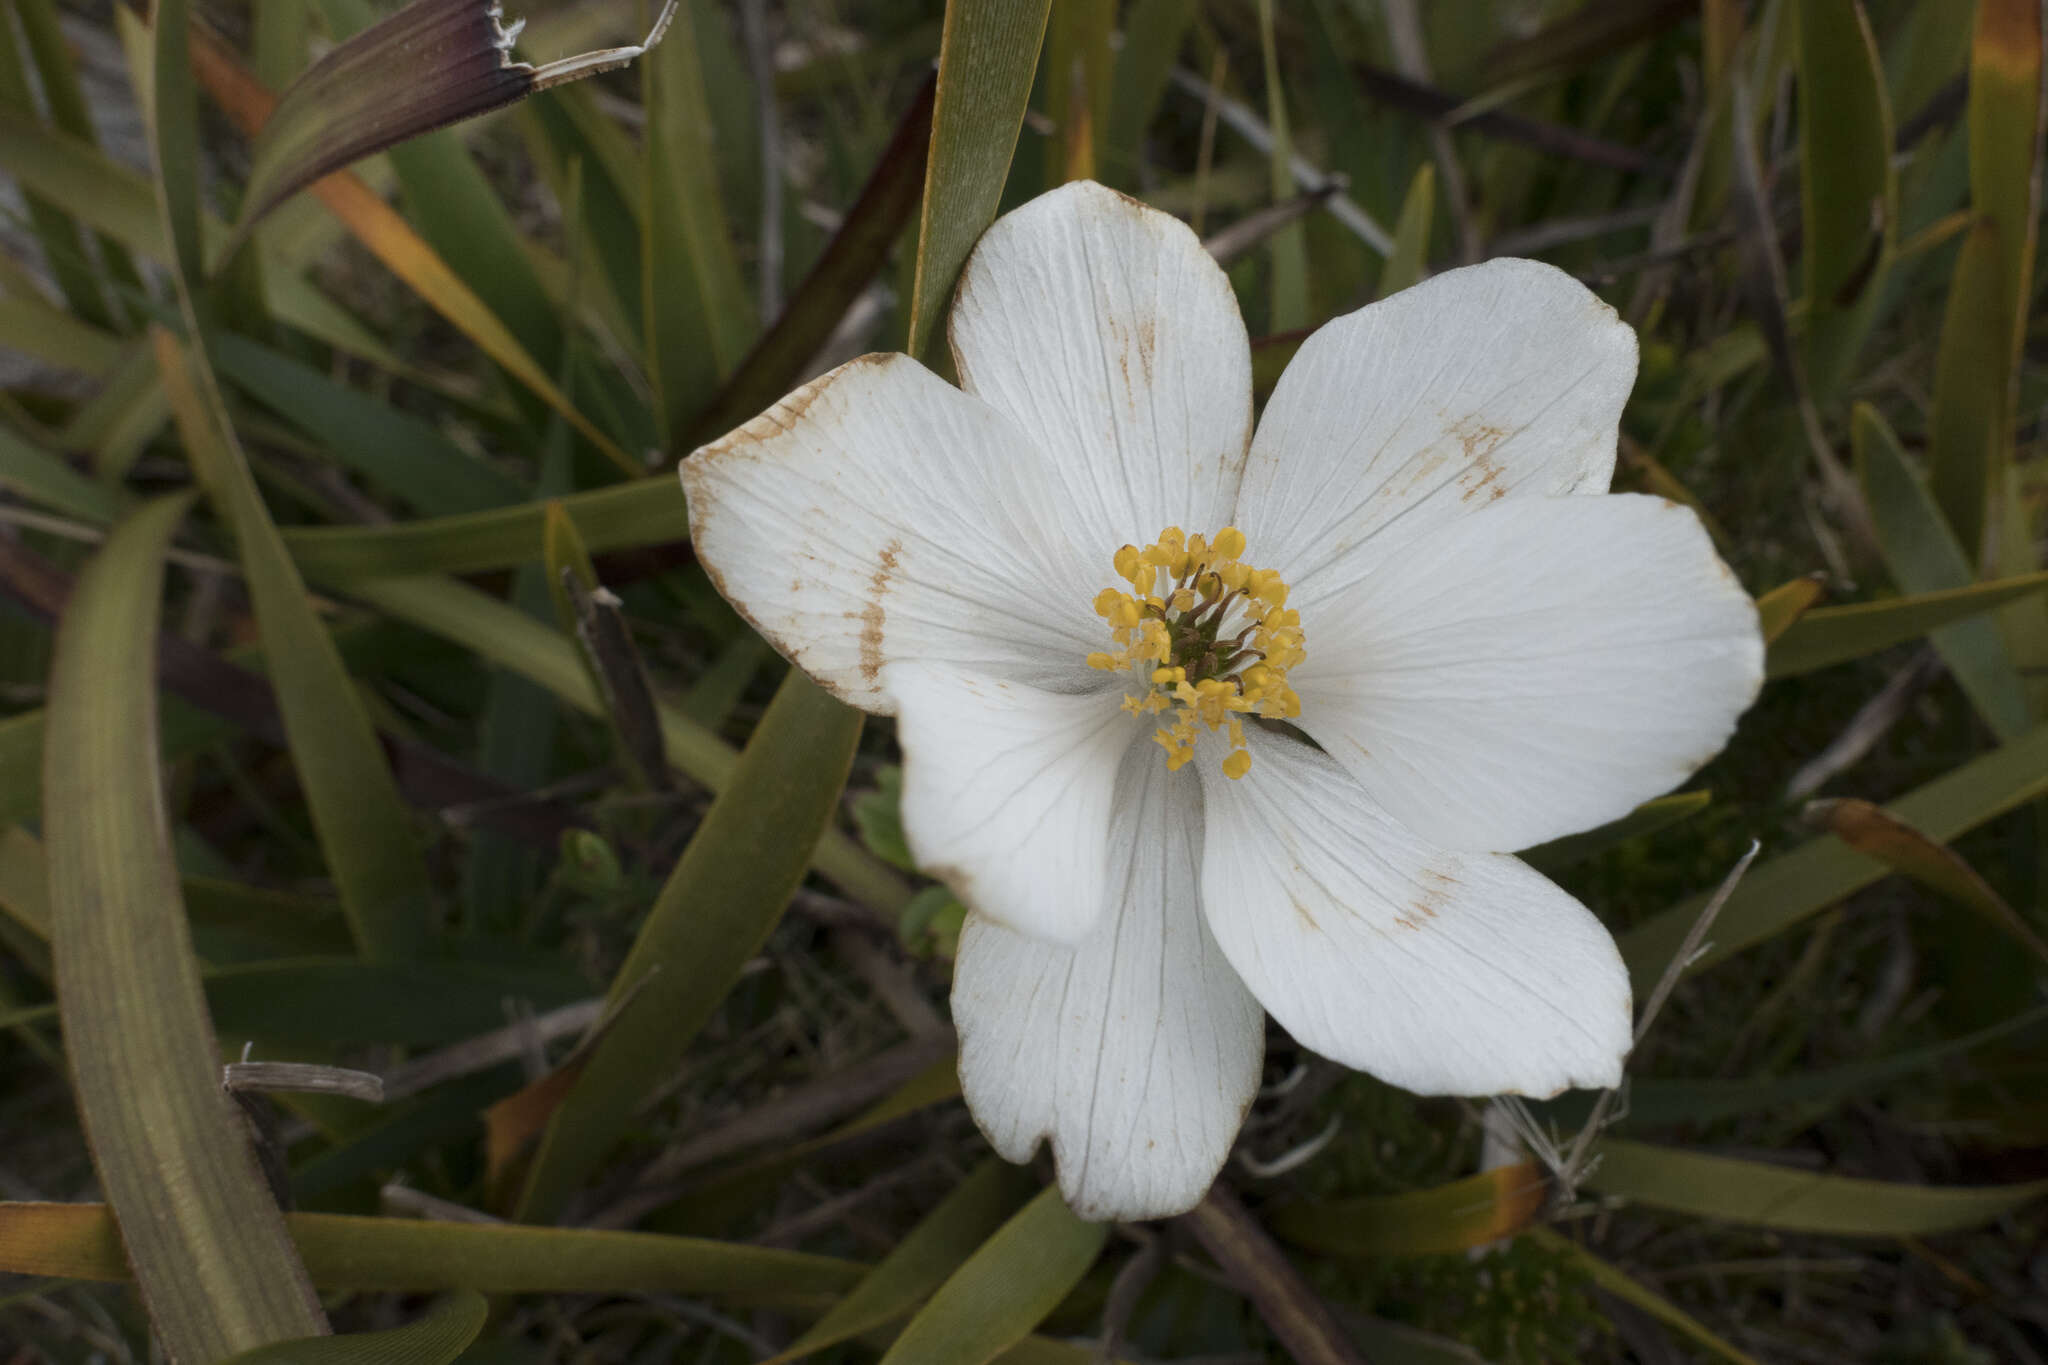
(1488, 656)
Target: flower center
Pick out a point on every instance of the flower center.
(1212, 635)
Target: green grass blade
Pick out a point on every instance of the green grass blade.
(216, 1267)
(1850, 198)
(699, 317)
(512, 639)
(2005, 141)
(1647, 818)
(1780, 893)
(1410, 257)
(398, 452)
(625, 516)
(1833, 635)
(436, 1339)
(1656, 1101)
(1153, 33)
(42, 477)
(928, 1253)
(364, 829)
(1630, 1291)
(1465, 1213)
(987, 53)
(1923, 556)
(79, 1241)
(718, 906)
(1969, 426)
(856, 254)
(1005, 1289)
(1788, 1200)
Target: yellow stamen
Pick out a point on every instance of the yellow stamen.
(1210, 633)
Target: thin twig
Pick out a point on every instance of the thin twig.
(1574, 1168)
(1870, 724)
(1249, 126)
(1260, 1271)
(1404, 33)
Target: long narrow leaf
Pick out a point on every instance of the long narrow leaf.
(986, 57)
(361, 821)
(1005, 1289)
(202, 1232)
(718, 906)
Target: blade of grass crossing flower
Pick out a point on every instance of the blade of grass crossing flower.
(987, 53)
(718, 906)
(1780, 893)
(699, 317)
(1834, 635)
(1405, 265)
(511, 639)
(209, 1249)
(1005, 1289)
(1629, 1290)
(928, 1253)
(1788, 1200)
(436, 1339)
(1923, 556)
(1850, 196)
(364, 830)
(80, 1242)
(388, 237)
(1464, 1213)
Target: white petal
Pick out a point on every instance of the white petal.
(878, 514)
(1498, 379)
(1137, 1050)
(1535, 669)
(1444, 973)
(1104, 331)
(1007, 792)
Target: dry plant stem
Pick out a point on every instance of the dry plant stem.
(1307, 1330)
(781, 1119)
(304, 1078)
(793, 1231)
(1253, 129)
(403, 1199)
(1247, 232)
(1872, 721)
(894, 983)
(1574, 1167)
(489, 1049)
(1126, 1289)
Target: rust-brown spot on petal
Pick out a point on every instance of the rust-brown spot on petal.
(871, 613)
